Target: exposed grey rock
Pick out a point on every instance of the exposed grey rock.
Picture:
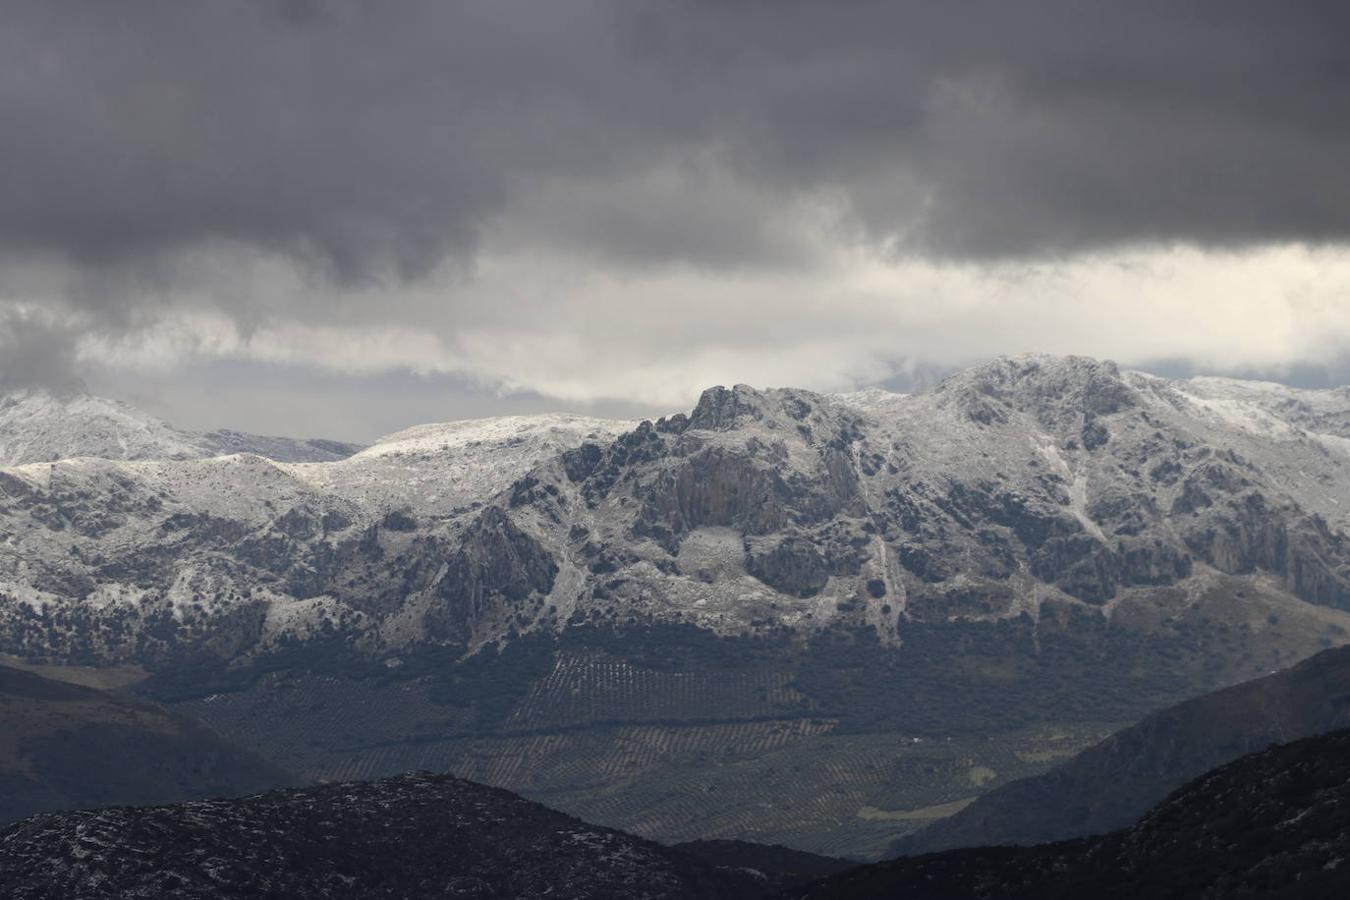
(497, 565)
(794, 566)
(1001, 552)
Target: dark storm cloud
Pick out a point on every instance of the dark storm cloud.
(382, 139)
(34, 352)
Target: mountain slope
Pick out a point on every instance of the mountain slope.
(432, 469)
(63, 746)
(1110, 785)
(416, 835)
(42, 426)
(1272, 824)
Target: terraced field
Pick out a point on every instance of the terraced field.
(669, 755)
(592, 688)
(822, 791)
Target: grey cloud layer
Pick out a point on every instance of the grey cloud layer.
(35, 353)
(591, 199)
(374, 139)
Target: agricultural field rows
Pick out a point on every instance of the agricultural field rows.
(592, 689)
(826, 792)
(799, 780)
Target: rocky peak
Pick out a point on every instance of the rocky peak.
(720, 409)
(1058, 391)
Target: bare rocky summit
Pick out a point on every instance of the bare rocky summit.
(1035, 486)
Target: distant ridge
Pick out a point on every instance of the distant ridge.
(41, 426)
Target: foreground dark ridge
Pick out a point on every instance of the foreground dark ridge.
(1111, 785)
(1272, 824)
(64, 746)
(416, 835)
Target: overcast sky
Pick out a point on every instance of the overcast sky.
(344, 217)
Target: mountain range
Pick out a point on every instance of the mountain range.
(818, 620)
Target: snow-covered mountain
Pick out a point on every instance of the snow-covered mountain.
(1038, 541)
(1028, 481)
(433, 470)
(38, 426)
(42, 426)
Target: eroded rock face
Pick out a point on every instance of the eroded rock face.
(713, 488)
(794, 566)
(1245, 534)
(497, 565)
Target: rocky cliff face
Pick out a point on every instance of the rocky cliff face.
(1026, 483)
(497, 569)
(164, 559)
